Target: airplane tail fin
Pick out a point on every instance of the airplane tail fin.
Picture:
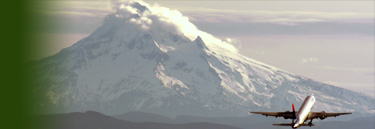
(294, 112)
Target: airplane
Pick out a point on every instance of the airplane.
(302, 115)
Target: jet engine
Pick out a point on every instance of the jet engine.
(323, 117)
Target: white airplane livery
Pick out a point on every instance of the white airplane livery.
(302, 115)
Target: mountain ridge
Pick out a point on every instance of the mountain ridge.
(91, 119)
(142, 61)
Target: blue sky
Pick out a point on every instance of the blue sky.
(328, 41)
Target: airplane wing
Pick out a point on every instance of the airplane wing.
(286, 115)
(323, 115)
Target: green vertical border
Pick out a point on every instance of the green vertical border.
(13, 53)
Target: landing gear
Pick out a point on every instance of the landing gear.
(310, 123)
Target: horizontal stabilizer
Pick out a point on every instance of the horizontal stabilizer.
(282, 124)
(289, 124)
(306, 125)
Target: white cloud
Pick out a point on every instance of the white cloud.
(278, 17)
(128, 9)
(309, 60)
(132, 14)
(236, 43)
(171, 19)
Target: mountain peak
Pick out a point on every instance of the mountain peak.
(153, 18)
(200, 42)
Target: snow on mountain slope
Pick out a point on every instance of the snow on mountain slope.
(143, 58)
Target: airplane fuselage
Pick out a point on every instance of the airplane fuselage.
(304, 111)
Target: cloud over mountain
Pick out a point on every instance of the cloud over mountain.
(151, 16)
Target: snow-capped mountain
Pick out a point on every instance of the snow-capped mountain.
(152, 59)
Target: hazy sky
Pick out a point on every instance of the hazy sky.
(328, 41)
